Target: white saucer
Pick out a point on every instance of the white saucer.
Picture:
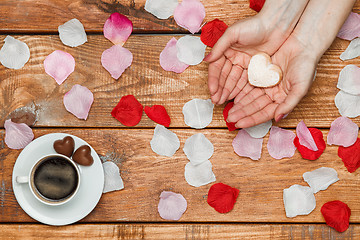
(85, 200)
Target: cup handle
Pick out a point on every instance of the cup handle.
(22, 179)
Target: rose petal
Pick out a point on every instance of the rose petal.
(246, 146)
(118, 28)
(298, 200)
(307, 153)
(14, 53)
(212, 31)
(281, 143)
(259, 131)
(230, 125)
(112, 178)
(352, 51)
(162, 9)
(350, 156)
(349, 80)
(128, 111)
(222, 197)
(198, 113)
(164, 141)
(190, 50)
(199, 175)
(351, 27)
(189, 14)
(198, 148)
(17, 135)
(305, 137)
(78, 101)
(72, 33)
(256, 4)
(348, 104)
(169, 60)
(321, 178)
(337, 215)
(158, 114)
(342, 132)
(59, 65)
(116, 59)
(171, 205)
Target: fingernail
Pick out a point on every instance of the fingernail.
(278, 118)
(207, 57)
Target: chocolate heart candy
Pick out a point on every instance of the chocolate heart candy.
(83, 156)
(65, 146)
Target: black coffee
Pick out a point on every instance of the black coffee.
(55, 178)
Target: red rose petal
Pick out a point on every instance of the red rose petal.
(231, 126)
(337, 215)
(128, 111)
(222, 197)
(350, 156)
(257, 4)
(212, 31)
(305, 152)
(158, 114)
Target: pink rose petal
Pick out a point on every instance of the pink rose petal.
(117, 28)
(169, 60)
(171, 205)
(343, 132)
(116, 59)
(59, 65)
(305, 137)
(189, 14)
(246, 146)
(351, 27)
(17, 135)
(78, 101)
(281, 143)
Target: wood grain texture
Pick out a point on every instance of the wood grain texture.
(146, 175)
(32, 89)
(178, 231)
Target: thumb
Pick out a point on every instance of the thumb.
(224, 42)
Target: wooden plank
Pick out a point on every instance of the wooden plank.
(146, 175)
(31, 88)
(178, 231)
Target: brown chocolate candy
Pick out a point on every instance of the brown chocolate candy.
(65, 146)
(83, 156)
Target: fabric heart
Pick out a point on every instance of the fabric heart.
(65, 146)
(128, 111)
(158, 114)
(307, 153)
(230, 125)
(337, 215)
(82, 156)
(262, 73)
(222, 197)
(350, 156)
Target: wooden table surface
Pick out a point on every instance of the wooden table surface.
(132, 212)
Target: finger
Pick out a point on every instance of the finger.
(261, 116)
(243, 92)
(231, 81)
(214, 75)
(239, 85)
(226, 40)
(223, 76)
(248, 98)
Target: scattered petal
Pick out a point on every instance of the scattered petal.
(343, 132)
(72, 33)
(298, 200)
(222, 197)
(351, 28)
(171, 205)
(350, 156)
(321, 178)
(259, 131)
(59, 65)
(212, 31)
(162, 9)
(352, 51)
(305, 137)
(117, 28)
(189, 14)
(17, 135)
(337, 215)
(164, 141)
(349, 80)
(198, 148)
(158, 114)
(230, 125)
(256, 4)
(198, 113)
(199, 175)
(112, 178)
(116, 59)
(78, 101)
(348, 104)
(307, 153)
(128, 111)
(14, 53)
(169, 60)
(246, 146)
(190, 50)
(281, 143)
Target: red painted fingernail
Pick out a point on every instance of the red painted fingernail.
(207, 57)
(281, 116)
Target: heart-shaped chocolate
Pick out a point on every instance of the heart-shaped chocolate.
(65, 146)
(82, 156)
